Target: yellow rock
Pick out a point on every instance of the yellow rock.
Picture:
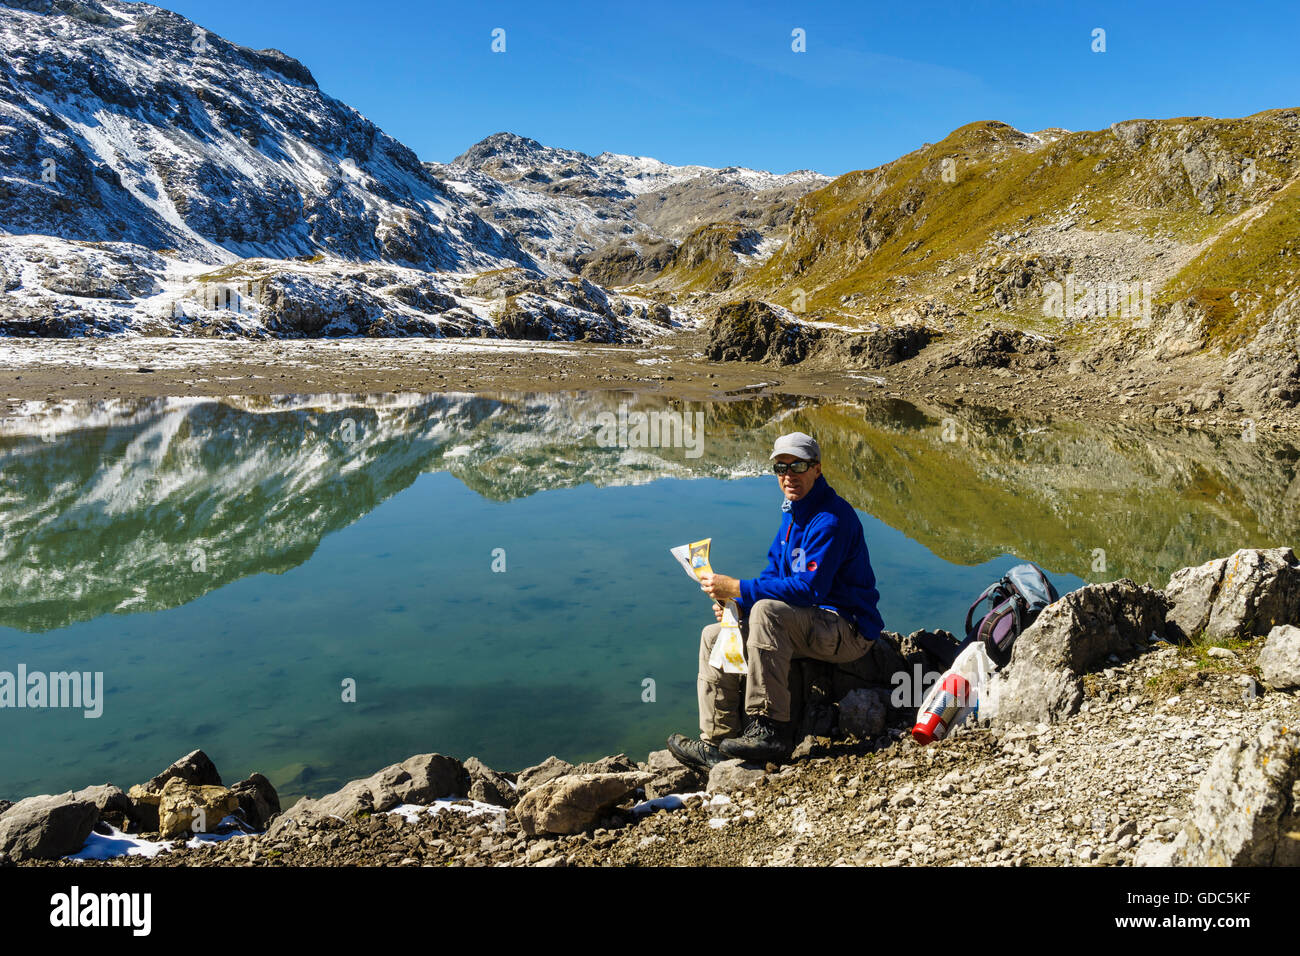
(185, 808)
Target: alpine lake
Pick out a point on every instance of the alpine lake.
(314, 587)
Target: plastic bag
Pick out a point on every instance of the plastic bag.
(975, 667)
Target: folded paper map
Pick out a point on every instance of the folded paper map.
(729, 649)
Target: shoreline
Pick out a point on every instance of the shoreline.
(672, 366)
(1159, 736)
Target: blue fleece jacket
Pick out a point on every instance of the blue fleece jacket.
(819, 559)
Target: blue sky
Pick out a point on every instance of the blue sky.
(718, 83)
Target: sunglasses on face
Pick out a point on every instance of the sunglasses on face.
(794, 467)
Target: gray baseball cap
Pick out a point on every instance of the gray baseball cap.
(797, 444)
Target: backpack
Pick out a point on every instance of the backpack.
(1016, 601)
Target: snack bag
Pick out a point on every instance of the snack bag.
(729, 649)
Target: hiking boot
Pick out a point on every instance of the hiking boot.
(764, 741)
(694, 753)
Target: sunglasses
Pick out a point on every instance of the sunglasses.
(794, 467)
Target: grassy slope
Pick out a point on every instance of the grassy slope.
(859, 234)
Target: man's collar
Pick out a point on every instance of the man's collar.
(810, 503)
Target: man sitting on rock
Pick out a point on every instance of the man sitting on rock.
(816, 598)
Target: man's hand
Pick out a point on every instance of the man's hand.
(719, 586)
(717, 612)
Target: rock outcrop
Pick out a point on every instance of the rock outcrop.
(1043, 681)
(1245, 812)
(1279, 661)
(754, 331)
(1247, 594)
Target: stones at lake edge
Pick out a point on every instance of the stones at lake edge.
(488, 786)
(670, 776)
(549, 769)
(420, 779)
(1279, 661)
(258, 802)
(195, 768)
(185, 808)
(575, 802)
(47, 826)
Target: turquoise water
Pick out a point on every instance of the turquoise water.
(382, 573)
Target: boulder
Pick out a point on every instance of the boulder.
(662, 761)
(1026, 693)
(5, 805)
(420, 779)
(47, 827)
(258, 801)
(754, 331)
(549, 769)
(112, 805)
(677, 780)
(875, 668)
(1245, 812)
(188, 808)
(488, 786)
(1245, 595)
(732, 775)
(1042, 682)
(863, 712)
(1279, 661)
(195, 767)
(620, 763)
(573, 803)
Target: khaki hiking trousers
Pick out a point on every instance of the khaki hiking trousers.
(775, 633)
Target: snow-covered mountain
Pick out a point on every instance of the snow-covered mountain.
(614, 218)
(128, 123)
(157, 178)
